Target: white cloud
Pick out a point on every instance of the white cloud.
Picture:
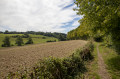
(76, 23)
(36, 15)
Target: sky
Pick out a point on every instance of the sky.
(38, 15)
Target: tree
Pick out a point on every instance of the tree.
(61, 37)
(19, 41)
(30, 41)
(6, 42)
(103, 16)
(81, 32)
(1, 32)
(6, 32)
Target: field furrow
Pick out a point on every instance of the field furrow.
(18, 58)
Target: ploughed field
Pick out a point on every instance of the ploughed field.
(17, 58)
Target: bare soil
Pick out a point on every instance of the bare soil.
(17, 58)
(102, 67)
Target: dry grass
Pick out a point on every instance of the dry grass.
(15, 58)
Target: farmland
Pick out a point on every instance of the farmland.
(18, 58)
(36, 38)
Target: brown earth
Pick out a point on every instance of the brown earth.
(18, 58)
(102, 67)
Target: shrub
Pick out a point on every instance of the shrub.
(61, 37)
(25, 36)
(30, 41)
(19, 41)
(86, 53)
(6, 42)
(51, 41)
(74, 66)
(15, 36)
(50, 68)
(43, 37)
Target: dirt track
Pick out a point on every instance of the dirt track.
(102, 67)
(15, 58)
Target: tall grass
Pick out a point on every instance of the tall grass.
(55, 68)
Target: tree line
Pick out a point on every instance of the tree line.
(19, 41)
(101, 21)
(60, 36)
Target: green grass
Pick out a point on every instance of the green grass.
(36, 38)
(112, 60)
(93, 66)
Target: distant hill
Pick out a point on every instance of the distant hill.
(36, 38)
(60, 36)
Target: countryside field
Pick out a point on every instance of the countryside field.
(15, 58)
(36, 38)
(60, 39)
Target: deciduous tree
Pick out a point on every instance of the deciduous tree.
(19, 41)
(6, 42)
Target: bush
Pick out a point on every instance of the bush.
(6, 42)
(61, 37)
(51, 41)
(15, 36)
(43, 37)
(19, 41)
(25, 36)
(86, 52)
(30, 41)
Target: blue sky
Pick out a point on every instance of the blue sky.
(38, 15)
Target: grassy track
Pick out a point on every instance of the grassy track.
(112, 60)
(15, 58)
(93, 66)
(36, 38)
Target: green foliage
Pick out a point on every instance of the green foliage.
(61, 37)
(98, 37)
(30, 41)
(43, 37)
(6, 32)
(51, 41)
(25, 36)
(6, 42)
(107, 41)
(19, 41)
(102, 16)
(15, 36)
(55, 68)
(1, 32)
(78, 33)
(36, 38)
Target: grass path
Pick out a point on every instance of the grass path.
(92, 66)
(102, 67)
